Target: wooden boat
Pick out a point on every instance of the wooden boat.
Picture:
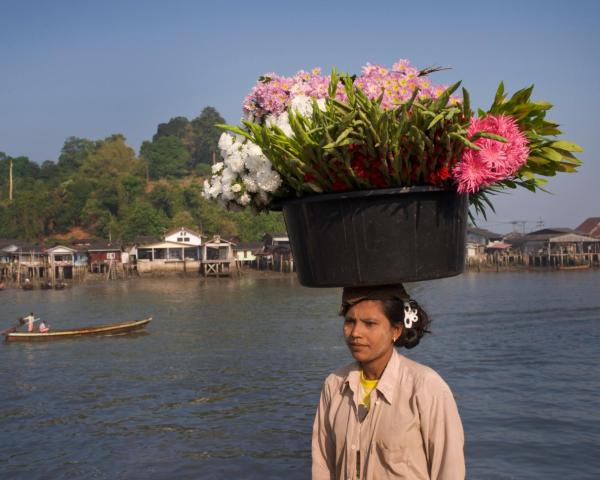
(46, 285)
(27, 286)
(109, 329)
(585, 266)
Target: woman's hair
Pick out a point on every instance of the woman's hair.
(410, 337)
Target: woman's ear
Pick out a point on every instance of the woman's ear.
(396, 332)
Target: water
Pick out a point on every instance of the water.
(225, 381)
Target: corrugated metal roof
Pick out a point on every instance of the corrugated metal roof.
(573, 237)
(591, 226)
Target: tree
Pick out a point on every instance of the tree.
(112, 158)
(179, 127)
(166, 199)
(166, 157)
(74, 152)
(142, 219)
(183, 218)
(49, 171)
(206, 135)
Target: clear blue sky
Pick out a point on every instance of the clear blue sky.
(90, 69)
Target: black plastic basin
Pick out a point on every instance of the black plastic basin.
(377, 237)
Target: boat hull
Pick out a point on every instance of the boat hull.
(110, 329)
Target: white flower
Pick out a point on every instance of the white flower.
(244, 151)
(227, 193)
(244, 199)
(235, 162)
(282, 121)
(225, 141)
(227, 176)
(216, 187)
(217, 167)
(206, 189)
(250, 183)
(322, 104)
(253, 149)
(303, 105)
(254, 163)
(236, 188)
(268, 180)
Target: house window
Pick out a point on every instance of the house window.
(144, 254)
(110, 255)
(191, 253)
(160, 253)
(174, 254)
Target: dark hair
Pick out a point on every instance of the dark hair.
(410, 337)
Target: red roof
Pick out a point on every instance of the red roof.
(591, 227)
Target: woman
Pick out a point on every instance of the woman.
(385, 416)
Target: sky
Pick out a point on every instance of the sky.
(91, 69)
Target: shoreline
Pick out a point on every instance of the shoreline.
(94, 278)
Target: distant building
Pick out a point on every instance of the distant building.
(276, 240)
(245, 252)
(103, 254)
(590, 227)
(179, 250)
(478, 239)
(183, 235)
(276, 253)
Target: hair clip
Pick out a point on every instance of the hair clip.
(411, 315)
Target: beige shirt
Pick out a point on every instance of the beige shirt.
(412, 431)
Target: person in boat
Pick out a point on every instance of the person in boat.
(385, 416)
(28, 320)
(43, 328)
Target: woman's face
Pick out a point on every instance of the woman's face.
(368, 332)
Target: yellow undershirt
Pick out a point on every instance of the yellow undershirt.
(365, 391)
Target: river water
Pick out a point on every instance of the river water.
(224, 382)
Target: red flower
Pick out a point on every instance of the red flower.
(339, 185)
(377, 179)
(309, 177)
(443, 173)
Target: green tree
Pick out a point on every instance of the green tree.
(179, 127)
(166, 199)
(74, 152)
(166, 157)
(111, 158)
(183, 218)
(206, 135)
(142, 219)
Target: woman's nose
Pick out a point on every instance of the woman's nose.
(355, 332)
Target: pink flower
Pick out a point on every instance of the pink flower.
(495, 161)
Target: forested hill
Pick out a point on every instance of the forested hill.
(101, 188)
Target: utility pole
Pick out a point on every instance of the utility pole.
(10, 181)
(540, 223)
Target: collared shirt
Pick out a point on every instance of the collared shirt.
(412, 431)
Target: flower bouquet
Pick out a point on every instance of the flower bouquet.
(310, 136)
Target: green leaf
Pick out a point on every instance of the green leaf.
(489, 135)
(568, 146)
(436, 119)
